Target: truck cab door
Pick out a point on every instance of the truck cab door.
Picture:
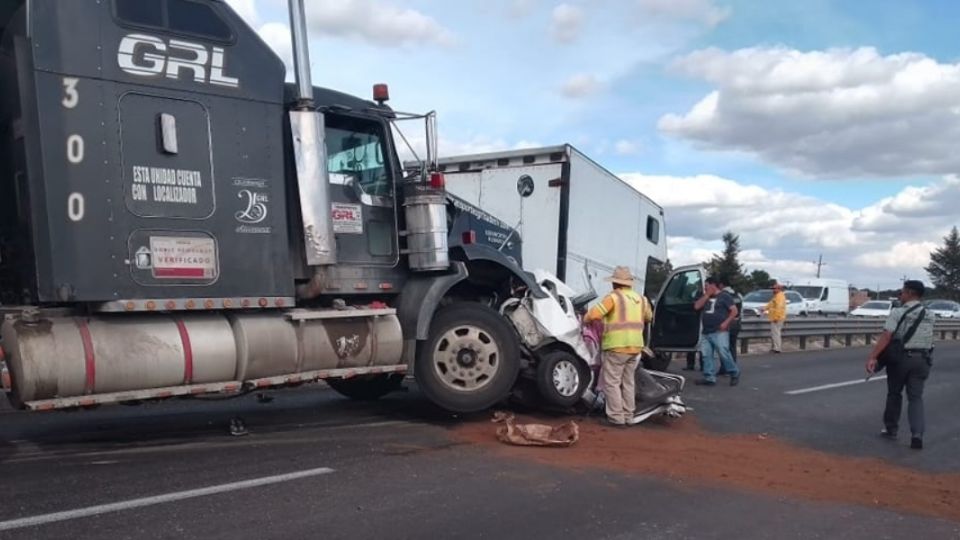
(676, 324)
(362, 190)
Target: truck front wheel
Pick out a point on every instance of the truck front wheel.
(470, 360)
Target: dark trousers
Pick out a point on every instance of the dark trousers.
(909, 372)
(691, 361)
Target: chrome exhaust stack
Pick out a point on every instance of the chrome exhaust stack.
(309, 147)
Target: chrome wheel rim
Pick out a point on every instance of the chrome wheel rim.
(566, 378)
(466, 358)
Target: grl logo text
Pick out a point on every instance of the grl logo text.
(149, 56)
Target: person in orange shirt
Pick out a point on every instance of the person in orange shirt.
(776, 310)
(624, 313)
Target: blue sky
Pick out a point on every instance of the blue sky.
(822, 126)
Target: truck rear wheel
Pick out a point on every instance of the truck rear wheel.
(470, 360)
(367, 387)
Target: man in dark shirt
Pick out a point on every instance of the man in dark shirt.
(719, 313)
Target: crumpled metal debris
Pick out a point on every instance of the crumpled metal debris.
(511, 432)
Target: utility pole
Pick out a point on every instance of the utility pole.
(819, 265)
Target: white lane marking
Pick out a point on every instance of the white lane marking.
(834, 385)
(157, 499)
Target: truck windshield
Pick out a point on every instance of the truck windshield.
(355, 150)
(809, 292)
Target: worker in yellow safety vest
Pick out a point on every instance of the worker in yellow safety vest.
(624, 313)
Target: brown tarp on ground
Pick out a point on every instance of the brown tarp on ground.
(511, 432)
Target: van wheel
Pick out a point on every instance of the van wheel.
(367, 387)
(659, 362)
(470, 360)
(562, 378)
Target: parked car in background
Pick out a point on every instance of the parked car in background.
(874, 308)
(947, 309)
(755, 302)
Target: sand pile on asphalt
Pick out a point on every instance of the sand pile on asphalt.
(683, 452)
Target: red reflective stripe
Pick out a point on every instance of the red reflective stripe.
(90, 360)
(625, 326)
(187, 351)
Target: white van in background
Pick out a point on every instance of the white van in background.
(824, 296)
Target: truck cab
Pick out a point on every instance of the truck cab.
(178, 220)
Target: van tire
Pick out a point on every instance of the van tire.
(562, 367)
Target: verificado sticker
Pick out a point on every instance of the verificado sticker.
(183, 257)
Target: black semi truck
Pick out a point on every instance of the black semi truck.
(176, 220)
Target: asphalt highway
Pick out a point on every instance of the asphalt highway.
(315, 465)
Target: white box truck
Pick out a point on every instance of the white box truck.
(575, 218)
(824, 296)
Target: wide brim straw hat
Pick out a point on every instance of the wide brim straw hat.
(621, 276)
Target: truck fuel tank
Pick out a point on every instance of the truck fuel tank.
(66, 357)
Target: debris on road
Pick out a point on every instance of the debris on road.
(761, 463)
(237, 427)
(513, 433)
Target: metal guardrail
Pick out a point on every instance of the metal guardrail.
(831, 329)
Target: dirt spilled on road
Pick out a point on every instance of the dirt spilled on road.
(683, 451)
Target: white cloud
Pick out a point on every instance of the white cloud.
(899, 255)
(705, 206)
(377, 23)
(277, 36)
(624, 147)
(521, 8)
(833, 113)
(246, 9)
(450, 147)
(700, 11)
(581, 85)
(930, 204)
(784, 232)
(567, 23)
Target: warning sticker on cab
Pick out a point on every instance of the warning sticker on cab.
(347, 218)
(183, 257)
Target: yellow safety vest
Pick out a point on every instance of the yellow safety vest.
(623, 326)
